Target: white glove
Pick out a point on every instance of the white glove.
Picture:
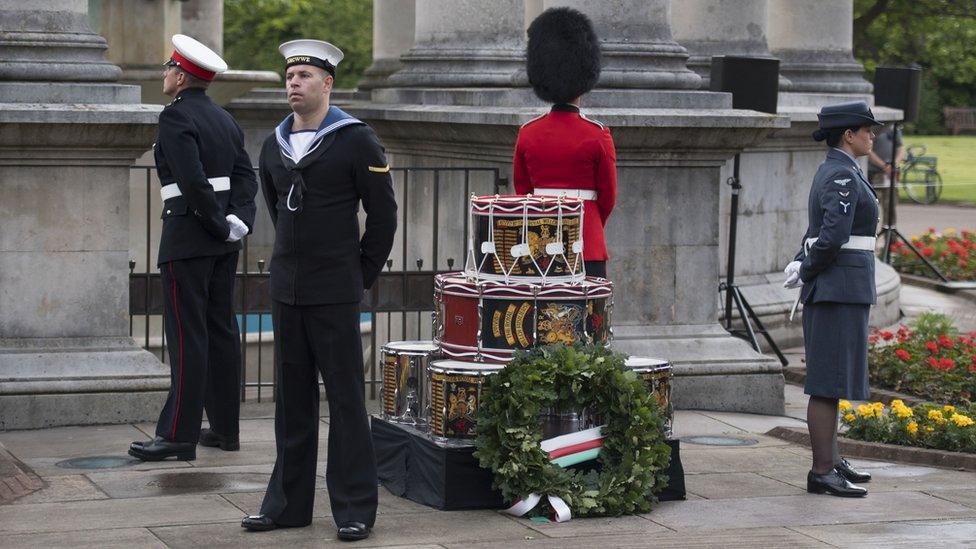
(238, 229)
(792, 272)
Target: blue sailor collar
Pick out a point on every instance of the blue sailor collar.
(336, 118)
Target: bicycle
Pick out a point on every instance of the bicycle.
(919, 177)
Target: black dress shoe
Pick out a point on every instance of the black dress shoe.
(850, 473)
(833, 483)
(352, 531)
(214, 440)
(159, 449)
(258, 523)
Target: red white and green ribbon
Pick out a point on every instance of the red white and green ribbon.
(564, 451)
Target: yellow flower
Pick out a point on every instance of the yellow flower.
(900, 410)
(961, 420)
(897, 402)
(930, 429)
(865, 410)
(949, 408)
(937, 416)
(878, 408)
(912, 428)
(844, 405)
(849, 418)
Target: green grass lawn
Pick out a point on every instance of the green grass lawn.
(956, 163)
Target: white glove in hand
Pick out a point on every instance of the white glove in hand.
(792, 272)
(238, 229)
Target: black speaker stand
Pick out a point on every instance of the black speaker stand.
(732, 292)
(889, 230)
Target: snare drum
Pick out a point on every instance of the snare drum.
(455, 397)
(657, 377)
(487, 321)
(404, 391)
(526, 238)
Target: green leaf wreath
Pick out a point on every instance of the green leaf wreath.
(634, 455)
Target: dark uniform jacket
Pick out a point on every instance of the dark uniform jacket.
(842, 204)
(319, 257)
(565, 150)
(200, 140)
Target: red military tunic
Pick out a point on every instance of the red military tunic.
(565, 150)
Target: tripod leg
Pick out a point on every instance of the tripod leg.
(737, 296)
(764, 332)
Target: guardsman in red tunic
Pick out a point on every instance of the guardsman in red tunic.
(563, 153)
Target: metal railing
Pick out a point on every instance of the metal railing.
(396, 304)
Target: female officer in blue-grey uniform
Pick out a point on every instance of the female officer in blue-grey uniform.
(836, 268)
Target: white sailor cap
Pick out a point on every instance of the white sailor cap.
(195, 58)
(311, 52)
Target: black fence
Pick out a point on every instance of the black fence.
(432, 203)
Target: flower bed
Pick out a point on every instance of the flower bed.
(926, 425)
(929, 359)
(954, 253)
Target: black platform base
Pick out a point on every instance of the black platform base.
(411, 465)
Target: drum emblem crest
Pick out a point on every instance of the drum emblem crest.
(560, 323)
(462, 406)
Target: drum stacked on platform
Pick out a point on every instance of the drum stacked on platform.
(524, 285)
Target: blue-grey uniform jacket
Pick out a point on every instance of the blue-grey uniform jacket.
(842, 204)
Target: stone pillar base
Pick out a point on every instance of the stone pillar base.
(712, 369)
(73, 381)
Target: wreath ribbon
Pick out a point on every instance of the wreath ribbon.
(529, 502)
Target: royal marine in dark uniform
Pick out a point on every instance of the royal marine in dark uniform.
(563, 153)
(317, 169)
(208, 189)
(836, 268)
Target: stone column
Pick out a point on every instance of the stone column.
(720, 27)
(204, 20)
(638, 50)
(672, 141)
(68, 135)
(393, 34)
(463, 43)
(814, 42)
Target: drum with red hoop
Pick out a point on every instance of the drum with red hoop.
(526, 238)
(488, 321)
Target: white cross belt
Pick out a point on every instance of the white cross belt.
(582, 194)
(173, 190)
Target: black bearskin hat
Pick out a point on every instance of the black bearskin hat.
(563, 57)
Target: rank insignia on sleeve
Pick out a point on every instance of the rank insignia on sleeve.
(844, 193)
(842, 182)
(845, 206)
(379, 169)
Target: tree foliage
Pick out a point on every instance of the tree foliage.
(937, 34)
(253, 29)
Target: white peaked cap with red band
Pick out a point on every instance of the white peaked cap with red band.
(196, 58)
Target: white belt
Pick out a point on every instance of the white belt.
(571, 193)
(866, 243)
(173, 190)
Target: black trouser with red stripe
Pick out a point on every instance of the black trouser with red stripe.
(309, 341)
(204, 347)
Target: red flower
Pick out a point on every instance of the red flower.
(903, 354)
(932, 230)
(888, 336)
(946, 342)
(906, 253)
(927, 251)
(946, 364)
(932, 346)
(963, 263)
(933, 362)
(872, 339)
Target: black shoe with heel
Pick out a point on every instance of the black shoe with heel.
(833, 483)
(159, 449)
(847, 471)
(215, 440)
(352, 531)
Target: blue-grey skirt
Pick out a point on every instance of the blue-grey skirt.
(836, 340)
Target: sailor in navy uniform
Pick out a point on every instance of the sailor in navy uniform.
(316, 169)
(836, 269)
(208, 188)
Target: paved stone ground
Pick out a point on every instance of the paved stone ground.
(747, 496)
